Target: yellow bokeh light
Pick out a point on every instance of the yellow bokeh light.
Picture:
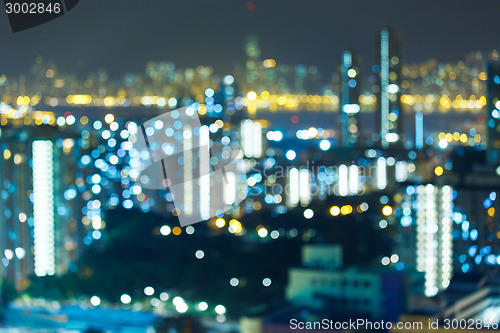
(334, 211)
(387, 210)
(346, 210)
(109, 118)
(261, 231)
(491, 211)
(438, 171)
(177, 231)
(79, 99)
(269, 63)
(220, 223)
(235, 226)
(202, 110)
(252, 95)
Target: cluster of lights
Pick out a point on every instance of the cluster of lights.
(394, 259)
(446, 138)
(180, 305)
(434, 213)
(348, 209)
(165, 230)
(265, 100)
(343, 180)
(251, 138)
(274, 136)
(444, 103)
(312, 133)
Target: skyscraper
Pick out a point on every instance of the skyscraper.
(349, 73)
(390, 121)
(419, 130)
(43, 207)
(40, 208)
(253, 62)
(426, 241)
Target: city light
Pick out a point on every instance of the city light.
(251, 138)
(324, 145)
(202, 306)
(381, 173)
(125, 299)
(234, 282)
(199, 254)
(230, 188)
(164, 296)
(400, 154)
(351, 108)
(334, 211)
(387, 210)
(353, 179)
(252, 95)
(346, 210)
(290, 155)
(235, 226)
(220, 309)
(165, 230)
(274, 136)
(343, 180)
(220, 223)
(262, 232)
(293, 182)
(308, 214)
(43, 208)
(95, 301)
(269, 63)
(149, 291)
(304, 186)
(204, 180)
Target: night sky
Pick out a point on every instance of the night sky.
(122, 35)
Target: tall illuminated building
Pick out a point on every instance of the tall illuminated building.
(426, 238)
(253, 62)
(39, 233)
(419, 130)
(227, 95)
(251, 138)
(350, 91)
(493, 111)
(389, 120)
(43, 207)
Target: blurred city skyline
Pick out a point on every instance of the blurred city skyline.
(368, 186)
